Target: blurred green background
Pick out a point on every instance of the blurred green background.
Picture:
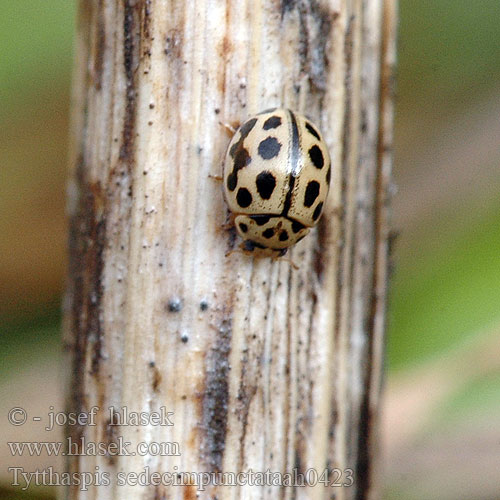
(443, 390)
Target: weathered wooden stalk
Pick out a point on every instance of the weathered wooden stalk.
(264, 367)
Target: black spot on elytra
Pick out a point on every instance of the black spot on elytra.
(240, 154)
(242, 160)
(243, 227)
(273, 122)
(244, 198)
(250, 245)
(317, 212)
(329, 175)
(312, 131)
(316, 157)
(269, 148)
(283, 236)
(312, 192)
(268, 233)
(247, 127)
(234, 148)
(231, 181)
(266, 182)
(297, 226)
(260, 220)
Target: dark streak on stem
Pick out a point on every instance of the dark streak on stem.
(87, 236)
(315, 28)
(111, 437)
(146, 36)
(156, 378)
(146, 26)
(323, 19)
(130, 61)
(216, 397)
(87, 226)
(78, 334)
(287, 6)
(100, 47)
(76, 293)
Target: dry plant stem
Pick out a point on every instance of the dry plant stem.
(264, 366)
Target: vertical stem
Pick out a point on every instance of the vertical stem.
(263, 367)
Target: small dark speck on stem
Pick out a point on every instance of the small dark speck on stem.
(174, 305)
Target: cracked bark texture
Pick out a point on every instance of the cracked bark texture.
(265, 367)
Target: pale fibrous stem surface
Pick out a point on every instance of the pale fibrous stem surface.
(263, 366)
